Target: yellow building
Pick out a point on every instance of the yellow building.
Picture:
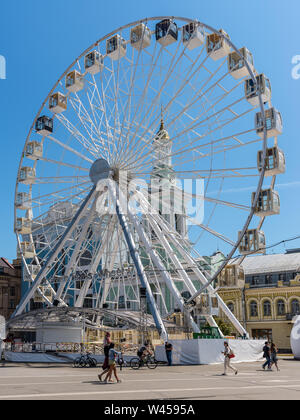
(270, 298)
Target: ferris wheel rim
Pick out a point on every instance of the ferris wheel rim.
(262, 173)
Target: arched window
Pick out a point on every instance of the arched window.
(295, 307)
(230, 306)
(267, 308)
(280, 307)
(253, 308)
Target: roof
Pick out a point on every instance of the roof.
(274, 263)
(5, 263)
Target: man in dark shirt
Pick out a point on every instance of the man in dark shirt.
(267, 355)
(169, 348)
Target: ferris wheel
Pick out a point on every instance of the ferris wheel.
(157, 144)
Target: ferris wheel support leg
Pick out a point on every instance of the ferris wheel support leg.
(159, 265)
(72, 260)
(93, 270)
(44, 271)
(138, 265)
(195, 269)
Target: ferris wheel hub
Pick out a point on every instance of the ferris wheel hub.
(100, 169)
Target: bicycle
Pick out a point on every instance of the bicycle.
(85, 359)
(150, 361)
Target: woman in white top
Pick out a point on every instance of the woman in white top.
(228, 352)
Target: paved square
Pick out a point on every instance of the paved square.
(63, 382)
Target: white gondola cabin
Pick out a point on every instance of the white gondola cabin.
(274, 162)
(116, 47)
(273, 123)
(268, 203)
(236, 63)
(33, 272)
(27, 175)
(166, 32)
(23, 226)
(44, 125)
(216, 45)
(206, 305)
(74, 81)
(57, 103)
(23, 201)
(140, 37)
(34, 150)
(27, 249)
(93, 62)
(193, 35)
(47, 292)
(263, 86)
(253, 242)
(232, 275)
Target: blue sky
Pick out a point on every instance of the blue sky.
(39, 39)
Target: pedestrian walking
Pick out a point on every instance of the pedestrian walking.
(169, 349)
(105, 366)
(274, 358)
(228, 353)
(112, 364)
(267, 355)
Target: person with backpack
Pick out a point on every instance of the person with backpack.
(267, 356)
(143, 351)
(228, 353)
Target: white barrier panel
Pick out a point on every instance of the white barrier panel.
(208, 351)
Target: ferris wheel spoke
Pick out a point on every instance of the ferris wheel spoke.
(55, 197)
(192, 102)
(182, 150)
(127, 110)
(70, 149)
(190, 73)
(157, 97)
(74, 131)
(60, 163)
(59, 180)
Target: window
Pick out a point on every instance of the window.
(262, 334)
(280, 307)
(295, 307)
(12, 291)
(255, 280)
(267, 308)
(11, 304)
(282, 277)
(253, 308)
(231, 307)
(268, 279)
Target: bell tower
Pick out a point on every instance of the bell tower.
(165, 196)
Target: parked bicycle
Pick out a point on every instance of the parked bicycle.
(149, 361)
(85, 360)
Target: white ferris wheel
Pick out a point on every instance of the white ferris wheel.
(157, 143)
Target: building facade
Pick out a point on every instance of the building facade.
(270, 299)
(10, 286)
